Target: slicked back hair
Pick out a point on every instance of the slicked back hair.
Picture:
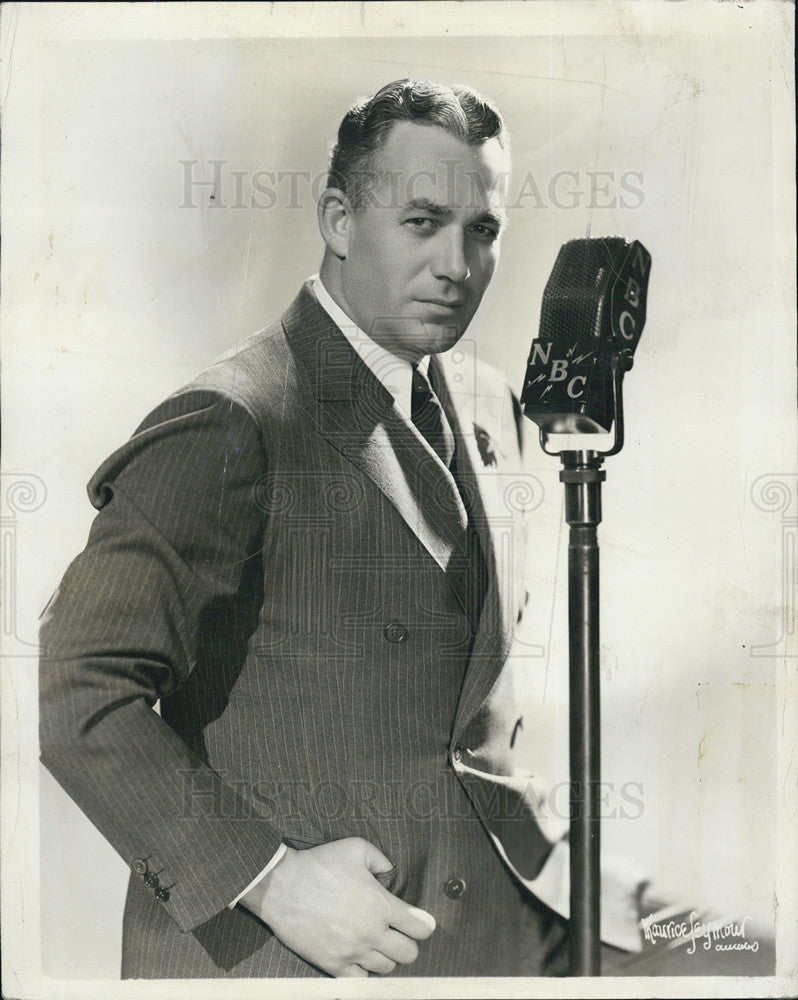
(460, 110)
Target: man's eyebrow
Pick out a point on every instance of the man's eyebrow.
(427, 205)
(497, 219)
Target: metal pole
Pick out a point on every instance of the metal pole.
(582, 475)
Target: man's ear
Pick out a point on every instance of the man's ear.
(335, 220)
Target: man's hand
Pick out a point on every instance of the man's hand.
(325, 904)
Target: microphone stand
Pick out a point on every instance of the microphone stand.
(582, 475)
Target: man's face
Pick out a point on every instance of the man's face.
(423, 249)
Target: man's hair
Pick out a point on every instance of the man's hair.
(459, 110)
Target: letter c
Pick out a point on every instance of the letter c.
(571, 391)
(625, 315)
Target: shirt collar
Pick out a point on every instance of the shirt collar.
(396, 374)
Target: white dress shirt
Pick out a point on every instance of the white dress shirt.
(396, 374)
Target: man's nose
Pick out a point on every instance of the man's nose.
(449, 260)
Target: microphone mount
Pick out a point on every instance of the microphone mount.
(620, 363)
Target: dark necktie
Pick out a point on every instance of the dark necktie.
(467, 566)
(427, 414)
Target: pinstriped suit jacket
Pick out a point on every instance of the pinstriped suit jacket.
(275, 561)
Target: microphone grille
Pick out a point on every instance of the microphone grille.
(594, 304)
(575, 300)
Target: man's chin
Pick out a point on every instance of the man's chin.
(440, 337)
(414, 337)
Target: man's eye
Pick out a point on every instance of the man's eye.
(485, 232)
(422, 222)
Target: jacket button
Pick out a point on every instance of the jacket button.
(457, 756)
(395, 632)
(455, 887)
(162, 894)
(152, 880)
(139, 866)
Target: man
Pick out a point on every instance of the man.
(310, 556)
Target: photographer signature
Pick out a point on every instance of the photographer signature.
(719, 935)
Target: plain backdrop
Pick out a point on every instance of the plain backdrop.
(122, 277)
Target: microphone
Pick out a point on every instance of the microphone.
(592, 315)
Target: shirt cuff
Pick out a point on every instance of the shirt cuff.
(277, 856)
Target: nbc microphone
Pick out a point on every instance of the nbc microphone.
(592, 315)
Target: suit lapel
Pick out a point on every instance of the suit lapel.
(476, 421)
(356, 414)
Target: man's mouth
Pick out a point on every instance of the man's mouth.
(449, 304)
